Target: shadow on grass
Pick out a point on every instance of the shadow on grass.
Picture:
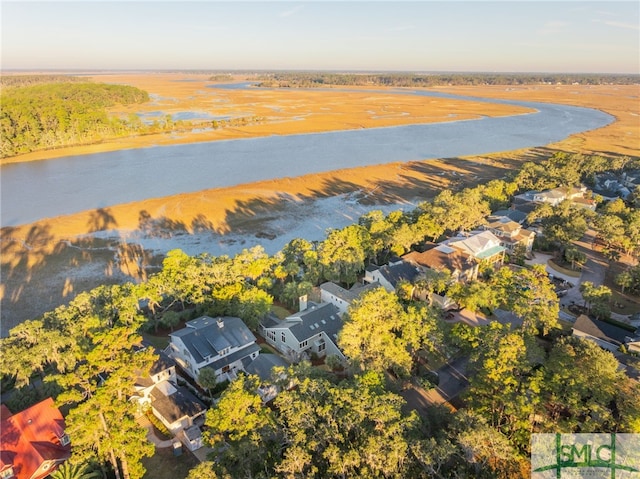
(164, 465)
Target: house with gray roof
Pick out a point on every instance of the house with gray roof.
(175, 406)
(390, 275)
(607, 336)
(342, 298)
(313, 330)
(512, 214)
(180, 411)
(223, 344)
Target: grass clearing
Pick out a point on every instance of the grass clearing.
(563, 270)
(164, 465)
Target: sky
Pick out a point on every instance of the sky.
(419, 36)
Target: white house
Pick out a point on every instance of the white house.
(511, 234)
(312, 330)
(342, 298)
(483, 246)
(223, 344)
(175, 406)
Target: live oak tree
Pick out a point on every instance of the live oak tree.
(504, 383)
(529, 293)
(562, 223)
(581, 383)
(351, 429)
(243, 431)
(343, 253)
(474, 296)
(94, 360)
(371, 336)
(204, 470)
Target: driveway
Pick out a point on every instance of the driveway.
(594, 269)
(452, 381)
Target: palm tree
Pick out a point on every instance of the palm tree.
(74, 471)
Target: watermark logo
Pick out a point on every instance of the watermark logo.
(593, 456)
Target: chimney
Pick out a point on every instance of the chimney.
(302, 300)
(220, 323)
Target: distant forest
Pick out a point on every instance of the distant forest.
(49, 111)
(319, 79)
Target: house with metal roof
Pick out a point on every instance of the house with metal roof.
(34, 442)
(483, 246)
(223, 344)
(313, 330)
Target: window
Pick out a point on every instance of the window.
(322, 346)
(283, 337)
(64, 439)
(271, 335)
(304, 344)
(224, 352)
(7, 473)
(226, 369)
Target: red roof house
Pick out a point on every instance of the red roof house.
(33, 442)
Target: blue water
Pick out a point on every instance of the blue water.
(35, 190)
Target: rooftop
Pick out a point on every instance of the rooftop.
(317, 318)
(348, 295)
(206, 337)
(31, 437)
(441, 257)
(177, 405)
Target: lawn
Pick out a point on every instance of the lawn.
(164, 465)
(563, 270)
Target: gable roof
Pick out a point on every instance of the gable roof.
(31, 437)
(400, 271)
(513, 215)
(177, 405)
(480, 245)
(263, 364)
(207, 336)
(601, 330)
(440, 257)
(317, 318)
(504, 224)
(348, 295)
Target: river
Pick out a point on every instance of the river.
(35, 190)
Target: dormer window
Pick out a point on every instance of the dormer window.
(7, 473)
(64, 439)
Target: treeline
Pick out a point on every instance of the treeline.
(320, 79)
(221, 77)
(49, 115)
(86, 355)
(28, 80)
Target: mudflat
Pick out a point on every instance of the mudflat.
(45, 264)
